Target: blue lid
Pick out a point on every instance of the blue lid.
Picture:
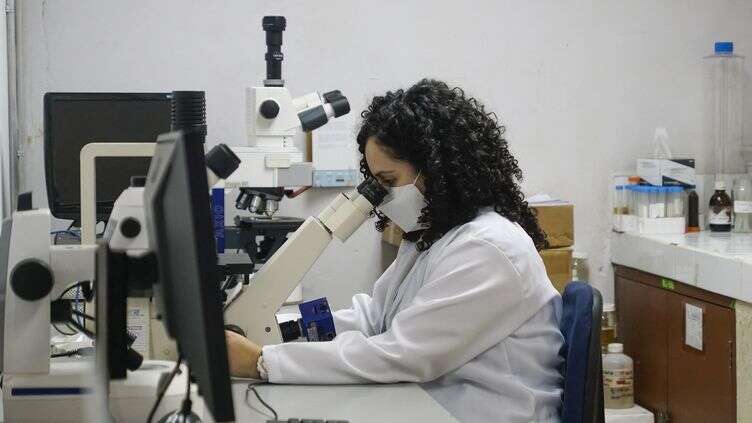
(724, 47)
(619, 187)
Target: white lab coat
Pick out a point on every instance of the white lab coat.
(474, 320)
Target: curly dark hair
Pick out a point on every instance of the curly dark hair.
(460, 150)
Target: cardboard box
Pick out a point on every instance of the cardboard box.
(557, 221)
(392, 235)
(661, 172)
(558, 262)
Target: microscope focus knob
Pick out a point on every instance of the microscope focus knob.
(31, 280)
(130, 228)
(269, 109)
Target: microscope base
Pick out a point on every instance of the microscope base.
(66, 394)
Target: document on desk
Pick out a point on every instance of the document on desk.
(138, 324)
(693, 326)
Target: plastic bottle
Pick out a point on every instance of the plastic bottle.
(618, 378)
(721, 209)
(743, 206)
(693, 212)
(724, 76)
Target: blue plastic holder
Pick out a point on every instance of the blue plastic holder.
(316, 320)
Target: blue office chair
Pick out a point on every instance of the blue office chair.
(582, 371)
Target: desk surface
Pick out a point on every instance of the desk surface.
(396, 403)
(720, 263)
(356, 403)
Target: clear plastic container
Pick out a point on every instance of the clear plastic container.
(742, 196)
(657, 202)
(724, 88)
(618, 378)
(674, 202)
(642, 200)
(621, 206)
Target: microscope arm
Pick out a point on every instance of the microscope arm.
(254, 310)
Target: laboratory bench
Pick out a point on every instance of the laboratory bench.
(394, 403)
(684, 316)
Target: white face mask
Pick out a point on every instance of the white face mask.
(403, 206)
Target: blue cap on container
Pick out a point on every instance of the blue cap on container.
(619, 187)
(724, 47)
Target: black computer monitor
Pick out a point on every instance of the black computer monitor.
(72, 120)
(177, 210)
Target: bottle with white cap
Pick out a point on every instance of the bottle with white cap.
(618, 378)
(721, 209)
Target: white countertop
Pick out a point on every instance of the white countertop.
(720, 263)
(635, 414)
(404, 402)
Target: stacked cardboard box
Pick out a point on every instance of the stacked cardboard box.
(557, 221)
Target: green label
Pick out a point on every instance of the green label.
(667, 284)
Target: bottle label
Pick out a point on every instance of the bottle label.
(720, 217)
(618, 384)
(742, 206)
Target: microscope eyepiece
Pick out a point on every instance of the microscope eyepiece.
(274, 26)
(373, 191)
(274, 23)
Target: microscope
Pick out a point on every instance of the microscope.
(271, 163)
(34, 274)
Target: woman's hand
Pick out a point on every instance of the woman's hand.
(243, 355)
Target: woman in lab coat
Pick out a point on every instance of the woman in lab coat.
(466, 309)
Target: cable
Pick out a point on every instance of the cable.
(269, 407)
(162, 391)
(75, 306)
(84, 315)
(54, 325)
(81, 329)
(185, 408)
(64, 354)
(72, 233)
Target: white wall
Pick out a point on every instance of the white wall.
(4, 123)
(580, 85)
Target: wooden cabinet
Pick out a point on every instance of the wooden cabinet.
(673, 379)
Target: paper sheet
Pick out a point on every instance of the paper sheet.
(693, 326)
(138, 324)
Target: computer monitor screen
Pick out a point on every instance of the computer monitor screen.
(72, 120)
(178, 217)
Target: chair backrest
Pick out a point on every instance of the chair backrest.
(582, 371)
